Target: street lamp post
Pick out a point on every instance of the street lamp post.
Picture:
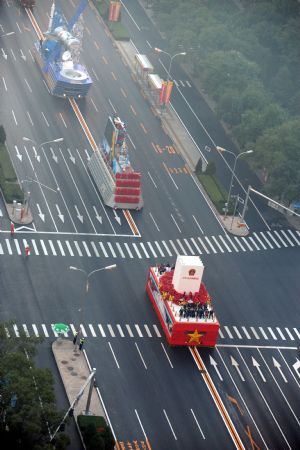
(158, 50)
(88, 275)
(26, 139)
(236, 157)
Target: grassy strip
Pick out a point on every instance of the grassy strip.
(8, 181)
(117, 29)
(215, 191)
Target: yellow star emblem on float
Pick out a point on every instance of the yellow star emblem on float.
(194, 337)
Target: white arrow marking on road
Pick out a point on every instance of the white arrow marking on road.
(297, 366)
(278, 366)
(53, 154)
(87, 154)
(42, 216)
(198, 224)
(214, 364)
(80, 217)
(176, 223)
(99, 218)
(22, 55)
(72, 158)
(35, 154)
(60, 215)
(118, 219)
(236, 365)
(256, 364)
(3, 53)
(18, 154)
(1, 213)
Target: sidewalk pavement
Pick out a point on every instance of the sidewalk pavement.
(25, 218)
(74, 370)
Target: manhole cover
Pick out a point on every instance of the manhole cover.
(64, 362)
(70, 368)
(74, 374)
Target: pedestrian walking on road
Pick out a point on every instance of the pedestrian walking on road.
(81, 342)
(75, 337)
(12, 229)
(27, 251)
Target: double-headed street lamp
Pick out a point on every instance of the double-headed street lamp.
(26, 139)
(88, 275)
(236, 157)
(158, 50)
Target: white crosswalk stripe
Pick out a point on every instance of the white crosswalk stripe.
(254, 332)
(92, 330)
(217, 244)
(8, 246)
(263, 333)
(280, 333)
(239, 242)
(254, 243)
(297, 333)
(246, 333)
(210, 244)
(110, 328)
(60, 247)
(138, 330)
(137, 251)
(259, 333)
(129, 330)
(225, 244)
(266, 239)
(259, 240)
(159, 249)
(232, 243)
(196, 246)
(189, 246)
(247, 244)
(293, 237)
(128, 250)
(95, 249)
(52, 247)
(120, 249)
(120, 330)
(272, 333)
(181, 246)
(103, 250)
(78, 248)
(287, 238)
(1, 250)
(167, 248)
(174, 248)
(86, 249)
(101, 330)
(203, 245)
(144, 250)
(273, 239)
(43, 247)
(112, 251)
(152, 249)
(69, 248)
(237, 332)
(281, 239)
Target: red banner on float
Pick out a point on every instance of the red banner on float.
(114, 11)
(168, 91)
(162, 94)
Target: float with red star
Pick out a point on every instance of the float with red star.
(182, 303)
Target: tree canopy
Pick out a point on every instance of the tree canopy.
(248, 61)
(27, 402)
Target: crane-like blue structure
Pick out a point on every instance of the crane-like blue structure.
(64, 76)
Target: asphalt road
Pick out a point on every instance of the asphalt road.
(148, 388)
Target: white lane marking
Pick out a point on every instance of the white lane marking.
(110, 328)
(129, 330)
(247, 244)
(263, 333)
(210, 244)
(260, 241)
(95, 249)
(168, 420)
(203, 245)
(152, 180)
(30, 90)
(92, 330)
(290, 334)
(232, 243)
(293, 236)
(225, 244)
(13, 54)
(14, 117)
(273, 239)
(177, 226)
(5, 87)
(8, 246)
(280, 333)
(267, 240)
(136, 413)
(168, 358)
(182, 83)
(78, 248)
(138, 330)
(92, 102)
(156, 331)
(197, 224)
(159, 249)
(246, 333)
(132, 143)
(196, 246)
(272, 333)
(103, 250)
(167, 248)
(45, 330)
(147, 330)
(148, 43)
(120, 330)
(281, 239)
(86, 248)
(137, 347)
(254, 332)
(63, 120)
(31, 55)
(34, 247)
(35, 330)
(69, 248)
(47, 123)
(120, 250)
(52, 247)
(43, 247)
(128, 250)
(189, 246)
(287, 238)
(188, 83)
(174, 248)
(181, 246)
(144, 250)
(137, 251)
(254, 243)
(101, 330)
(152, 249)
(228, 331)
(154, 222)
(237, 332)
(126, 9)
(240, 244)
(116, 361)
(217, 244)
(113, 108)
(112, 249)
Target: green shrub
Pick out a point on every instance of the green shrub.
(118, 31)
(8, 181)
(2, 135)
(102, 6)
(96, 433)
(215, 191)
(211, 168)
